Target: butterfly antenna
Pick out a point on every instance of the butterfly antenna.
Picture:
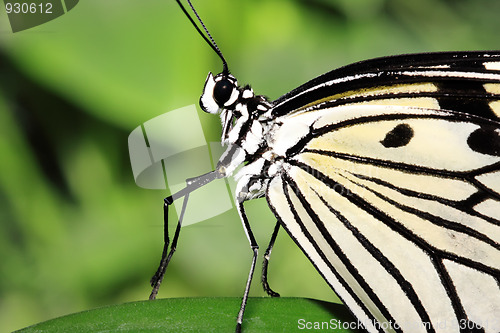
(210, 41)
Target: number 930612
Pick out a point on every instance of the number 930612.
(28, 8)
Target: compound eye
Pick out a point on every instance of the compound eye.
(222, 91)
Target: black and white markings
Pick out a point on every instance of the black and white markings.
(485, 140)
(386, 173)
(399, 161)
(399, 136)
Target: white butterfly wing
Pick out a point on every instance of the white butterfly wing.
(398, 209)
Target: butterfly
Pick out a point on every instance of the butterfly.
(386, 173)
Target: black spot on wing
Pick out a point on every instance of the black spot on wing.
(485, 140)
(399, 136)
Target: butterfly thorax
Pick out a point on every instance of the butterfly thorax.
(247, 124)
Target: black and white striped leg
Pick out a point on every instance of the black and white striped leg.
(191, 185)
(255, 249)
(265, 263)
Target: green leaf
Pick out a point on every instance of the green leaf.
(206, 315)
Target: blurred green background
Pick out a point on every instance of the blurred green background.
(75, 231)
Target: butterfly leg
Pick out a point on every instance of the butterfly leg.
(255, 248)
(265, 263)
(165, 259)
(192, 184)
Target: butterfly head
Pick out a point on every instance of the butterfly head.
(220, 96)
(238, 108)
(219, 93)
